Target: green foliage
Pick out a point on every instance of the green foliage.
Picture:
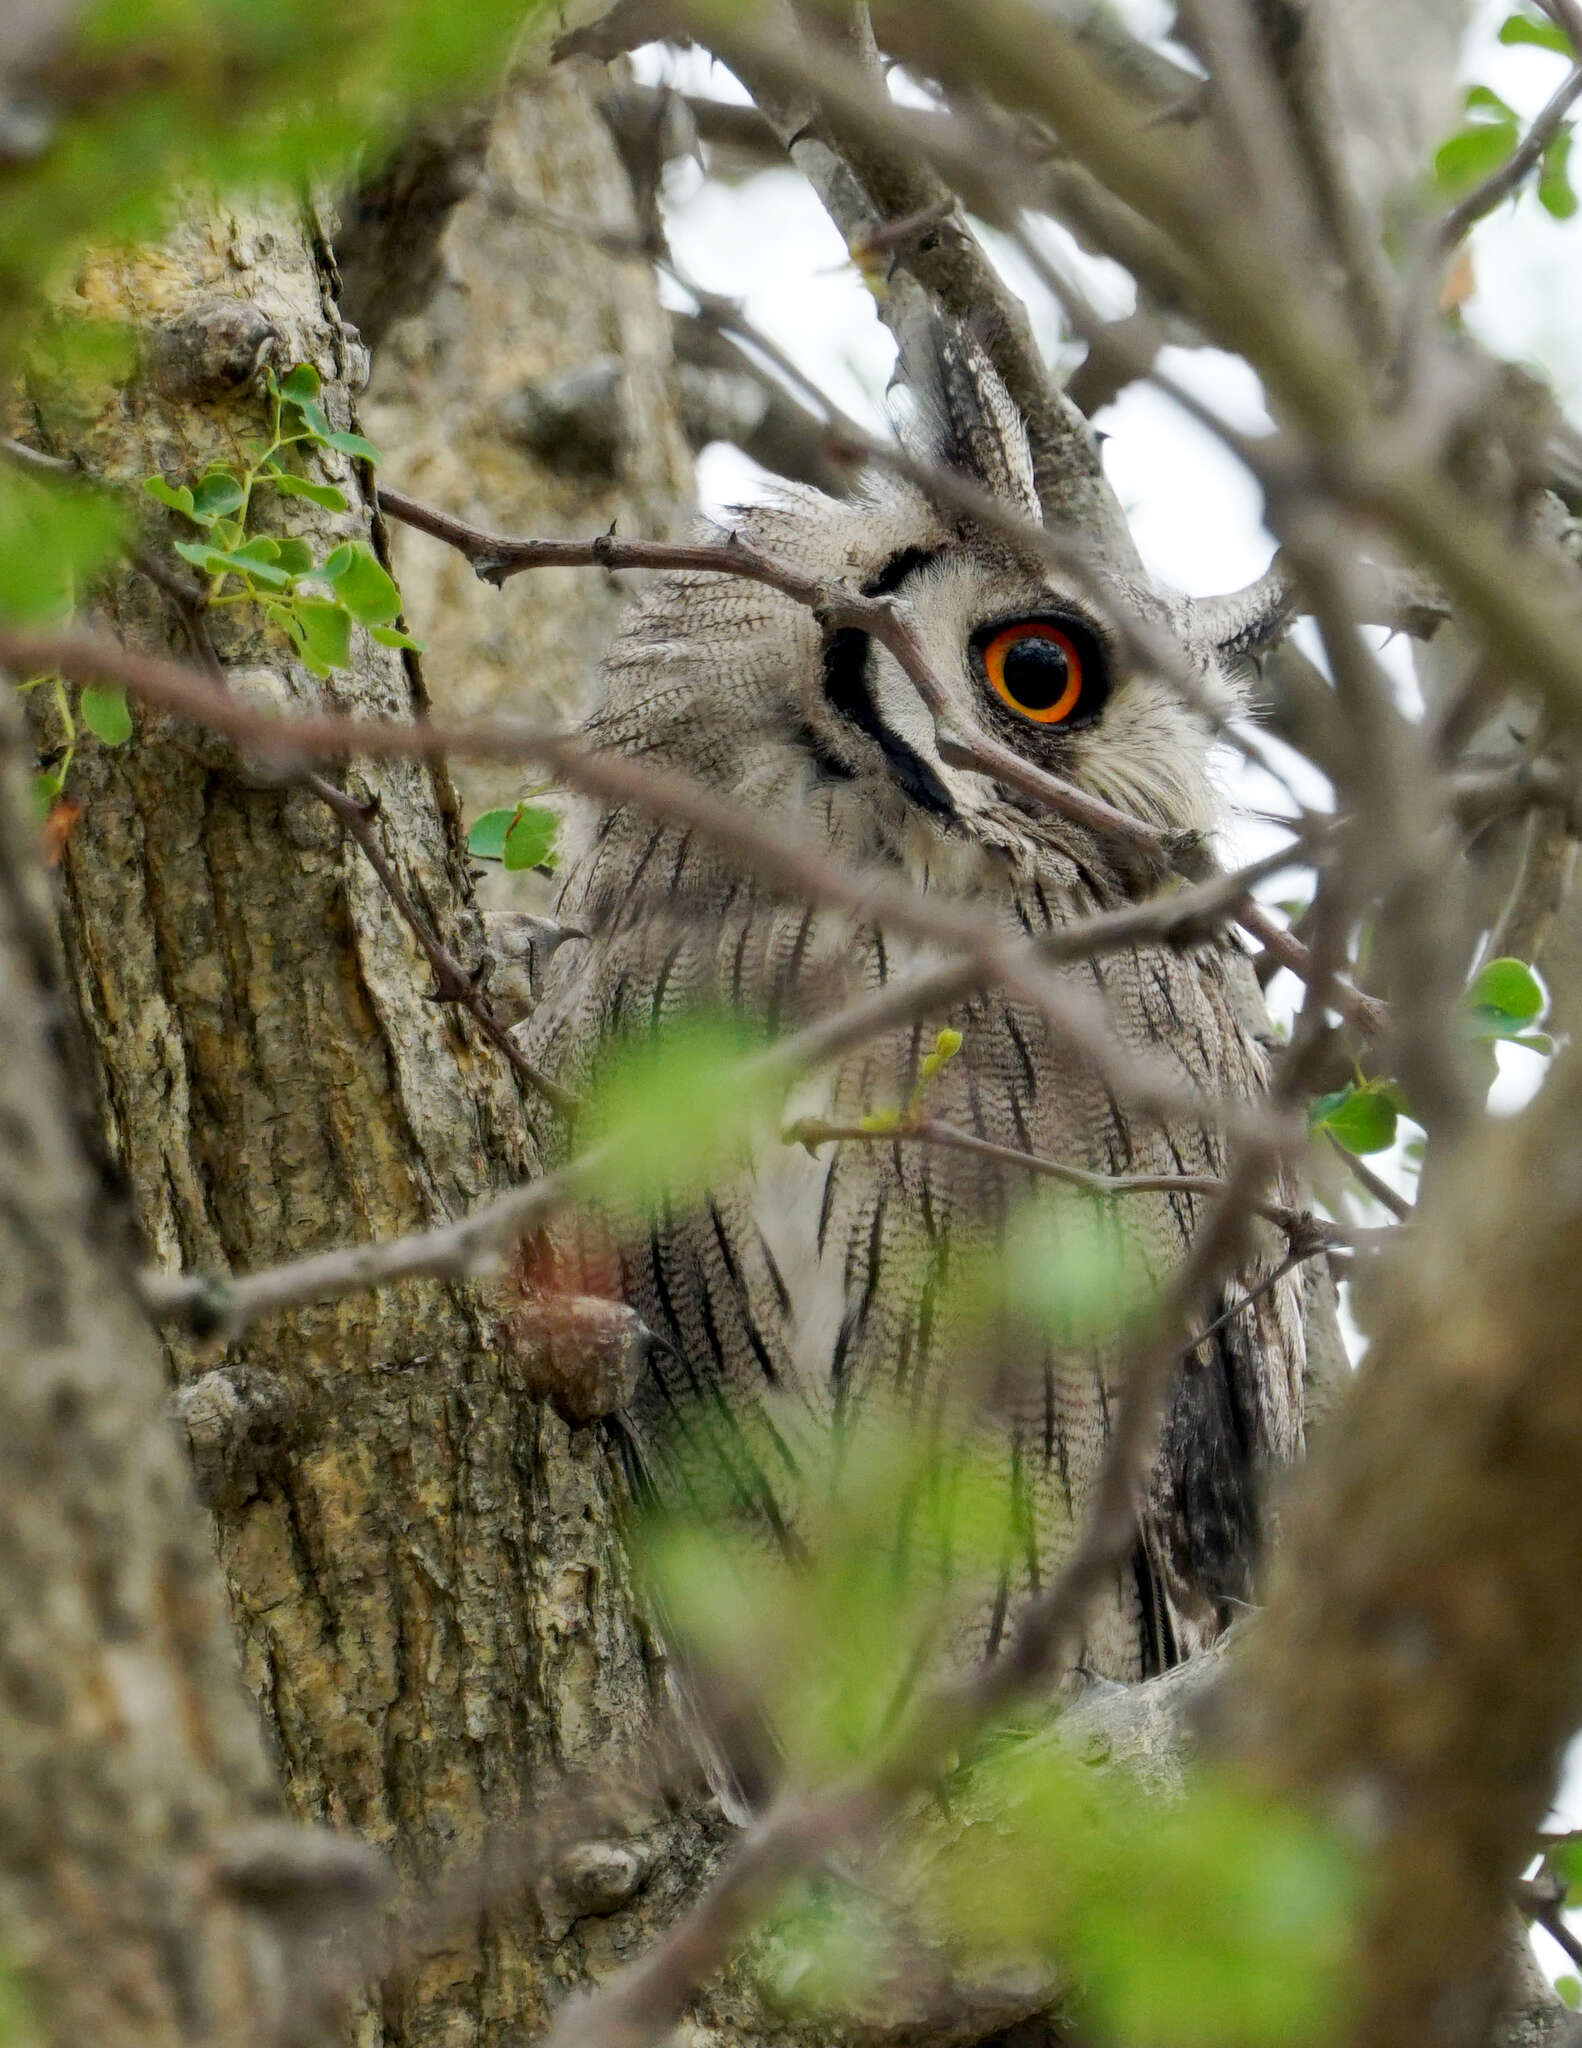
(681, 1106)
(1362, 1115)
(1218, 1919)
(1535, 28)
(1565, 1861)
(315, 604)
(106, 714)
(225, 93)
(1504, 1000)
(898, 1531)
(1071, 1272)
(18, 2029)
(520, 837)
(54, 538)
(1480, 146)
(1555, 195)
(1489, 136)
(947, 1044)
(1568, 1990)
(1503, 1003)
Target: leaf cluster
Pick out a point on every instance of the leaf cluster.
(1491, 131)
(314, 603)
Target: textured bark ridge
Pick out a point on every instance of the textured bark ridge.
(530, 393)
(1415, 1674)
(423, 1570)
(131, 1756)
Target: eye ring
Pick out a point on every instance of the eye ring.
(1049, 672)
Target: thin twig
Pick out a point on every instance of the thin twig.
(1301, 1226)
(1506, 177)
(1378, 1188)
(453, 983)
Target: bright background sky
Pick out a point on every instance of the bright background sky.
(1195, 513)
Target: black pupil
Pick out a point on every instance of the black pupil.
(1036, 672)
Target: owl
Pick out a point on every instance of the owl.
(809, 1290)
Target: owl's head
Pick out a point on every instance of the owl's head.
(725, 677)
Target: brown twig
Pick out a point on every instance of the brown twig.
(453, 983)
(1301, 1226)
(1377, 1187)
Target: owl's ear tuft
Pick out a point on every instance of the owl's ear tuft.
(1245, 623)
(962, 418)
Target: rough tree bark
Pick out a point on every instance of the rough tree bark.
(423, 1573)
(528, 391)
(133, 1765)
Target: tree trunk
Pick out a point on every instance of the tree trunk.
(430, 1598)
(528, 393)
(132, 1760)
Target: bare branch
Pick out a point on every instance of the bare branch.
(1301, 1226)
(1543, 881)
(1375, 1185)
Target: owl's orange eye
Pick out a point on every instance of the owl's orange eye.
(1038, 669)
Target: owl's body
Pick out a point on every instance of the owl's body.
(811, 1290)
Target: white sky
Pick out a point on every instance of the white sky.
(1195, 513)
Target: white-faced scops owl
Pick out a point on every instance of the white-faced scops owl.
(806, 1290)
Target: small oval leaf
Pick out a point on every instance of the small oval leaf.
(106, 714)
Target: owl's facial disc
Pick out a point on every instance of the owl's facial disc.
(1049, 670)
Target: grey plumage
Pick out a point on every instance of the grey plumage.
(811, 1289)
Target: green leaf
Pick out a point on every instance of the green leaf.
(176, 496)
(1555, 195)
(1071, 1271)
(676, 1109)
(1504, 999)
(1521, 28)
(1483, 99)
(300, 383)
(530, 842)
(45, 790)
(1217, 1920)
(522, 837)
(304, 487)
(1569, 1991)
(214, 495)
(836, 1643)
(257, 553)
(1472, 154)
(947, 1044)
(105, 713)
(1565, 1861)
(363, 586)
(312, 418)
(294, 556)
(486, 840)
(354, 444)
(53, 539)
(392, 636)
(204, 555)
(1360, 1117)
(325, 634)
